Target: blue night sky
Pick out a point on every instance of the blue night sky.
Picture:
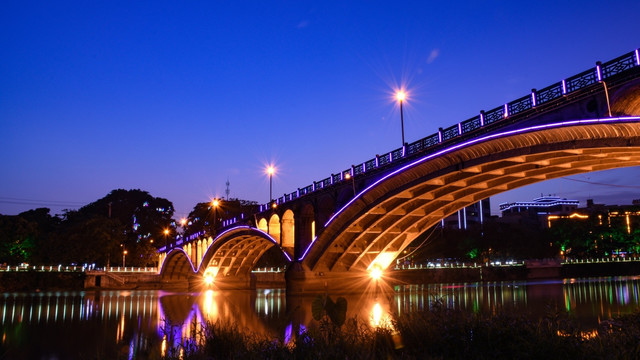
(176, 97)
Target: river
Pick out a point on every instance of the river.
(140, 324)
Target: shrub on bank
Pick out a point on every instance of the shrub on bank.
(438, 333)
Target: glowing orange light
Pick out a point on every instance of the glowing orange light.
(166, 231)
(375, 272)
(347, 176)
(209, 275)
(208, 279)
(183, 221)
(215, 203)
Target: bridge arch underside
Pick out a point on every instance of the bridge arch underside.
(177, 267)
(235, 254)
(385, 219)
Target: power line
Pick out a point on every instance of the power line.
(603, 184)
(40, 200)
(34, 202)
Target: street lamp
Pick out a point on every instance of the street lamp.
(124, 253)
(271, 170)
(348, 176)
(215, 203)
(166, 233)
(400, 96)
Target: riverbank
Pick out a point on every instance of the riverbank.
(22, 281)
(30, 280)
(528, 270)
(439, 333)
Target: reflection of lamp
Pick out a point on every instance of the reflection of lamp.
(400, 96)
(376, 315)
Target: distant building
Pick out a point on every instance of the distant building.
(544, 205)
(473, 214)
(625, 216)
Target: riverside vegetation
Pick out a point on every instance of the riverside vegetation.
(437, 333)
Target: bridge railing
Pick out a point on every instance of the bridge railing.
(592, 76)
(74, 268)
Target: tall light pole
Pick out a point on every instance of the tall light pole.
(166, 233)
(124, 253)
(215, 203)
(400, 96)
(271, 170)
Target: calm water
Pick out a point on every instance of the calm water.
(117, 324)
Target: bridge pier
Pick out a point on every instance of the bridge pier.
(301, 281)
(235, 282)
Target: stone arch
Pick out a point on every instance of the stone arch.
(234, 253)
(402, 204)
(274, 227)
(177, 266)
(288, 230)
(263, 225)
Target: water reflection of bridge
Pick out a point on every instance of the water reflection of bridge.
(136, 318)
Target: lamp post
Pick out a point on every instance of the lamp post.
(166, 233)
(348, 176)
(215, 203)
(271, 170)
(124, 253)
(400, 96)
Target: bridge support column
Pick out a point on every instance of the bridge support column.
(235, 282)
(301, 281)
(303, 230)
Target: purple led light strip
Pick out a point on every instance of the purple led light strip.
(464, 144)
(185, 254)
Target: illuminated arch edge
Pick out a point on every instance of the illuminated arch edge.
(170, 254)
(468, 143)
(244, 227)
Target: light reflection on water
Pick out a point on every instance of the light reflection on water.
(139, 324)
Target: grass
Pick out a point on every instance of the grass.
(438, 333)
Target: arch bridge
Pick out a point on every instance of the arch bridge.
(336, 229)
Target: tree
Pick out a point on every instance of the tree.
(205, 218)
(95, 240)
(143, 219)
(17, 239)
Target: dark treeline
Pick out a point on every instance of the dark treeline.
(138, 223)
(98, 233)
